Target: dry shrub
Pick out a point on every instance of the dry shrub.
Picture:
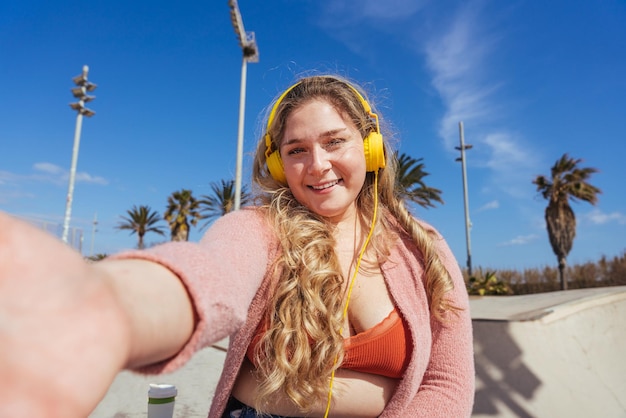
(604, 272)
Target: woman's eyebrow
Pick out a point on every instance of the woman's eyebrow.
(331, 132)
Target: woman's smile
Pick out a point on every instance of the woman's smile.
(325, 186)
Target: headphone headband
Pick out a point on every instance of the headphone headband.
(270, 120)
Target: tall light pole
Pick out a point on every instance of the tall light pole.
(80, 93)
(468, 223)
(250, 51)
(93, 231)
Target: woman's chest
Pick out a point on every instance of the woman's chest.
(368, 301)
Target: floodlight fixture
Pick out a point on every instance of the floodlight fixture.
(78, 92)
(247, 40)
(80, 106)
(87, 112)
(79, 80)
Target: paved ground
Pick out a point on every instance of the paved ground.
(128, 396)
(547, 355)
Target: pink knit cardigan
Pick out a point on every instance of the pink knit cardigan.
(227, 277)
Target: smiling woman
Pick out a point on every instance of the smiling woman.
(336, 300)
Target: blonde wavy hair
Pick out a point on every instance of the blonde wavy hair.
(296, 355)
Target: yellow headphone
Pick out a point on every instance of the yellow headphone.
(373, 143)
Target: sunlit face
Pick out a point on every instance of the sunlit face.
(324, 160)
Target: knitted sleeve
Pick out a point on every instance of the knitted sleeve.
(221, 273)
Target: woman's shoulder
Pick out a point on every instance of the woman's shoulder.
(396, 227)
(249, 220)
(406, 239)
(246, 214)
(429, 228)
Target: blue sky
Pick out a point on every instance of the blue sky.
(530, 80)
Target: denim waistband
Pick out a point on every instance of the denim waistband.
(237, 409)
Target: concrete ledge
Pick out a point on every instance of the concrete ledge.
(558, 354)
(550, 305)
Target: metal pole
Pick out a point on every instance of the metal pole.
(93, 232)
(242, 110)
(70, 191)
(250, 54)
(80, 93)
(465, 199)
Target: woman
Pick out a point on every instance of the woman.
(337, 301)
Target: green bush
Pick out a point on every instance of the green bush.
(487, 285)
(96, 257)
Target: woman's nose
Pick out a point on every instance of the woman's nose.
(319, 161)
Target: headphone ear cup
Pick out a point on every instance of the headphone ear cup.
(374, 152)
(275, 167)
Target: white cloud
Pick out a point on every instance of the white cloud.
(506, 152)
(494, 204)
(459, 59)
(459, 52)
(88, 178)
(48, 168)
(345, 12)
(59, 175)
(6, 177)
(352, 23)
(512, 164)
(45, 172)
(8, 195)
(597, 217)
(520, 240)
(389, 9)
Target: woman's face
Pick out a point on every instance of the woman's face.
(324, 160)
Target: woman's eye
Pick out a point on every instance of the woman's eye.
(335, 142)
(295, 151)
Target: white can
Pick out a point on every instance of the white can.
(161, 398)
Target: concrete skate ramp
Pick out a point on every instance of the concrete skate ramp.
(558, 354)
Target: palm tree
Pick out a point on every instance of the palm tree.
(182, 210)
(221, 201)
(567, 182)
(410, 184)
(141, 220)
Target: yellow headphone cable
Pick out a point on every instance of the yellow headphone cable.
(356, 271)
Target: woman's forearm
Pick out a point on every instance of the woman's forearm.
(158, 310)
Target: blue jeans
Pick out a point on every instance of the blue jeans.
(237, 409)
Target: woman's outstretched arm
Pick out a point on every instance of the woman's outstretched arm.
(67, 327)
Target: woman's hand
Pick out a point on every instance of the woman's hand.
(63, 333)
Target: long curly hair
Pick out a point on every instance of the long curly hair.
(297, 354)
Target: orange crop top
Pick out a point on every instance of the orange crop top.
(384, 349)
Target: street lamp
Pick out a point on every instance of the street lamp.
(468, 223)
(250, 51)
(80, 93)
